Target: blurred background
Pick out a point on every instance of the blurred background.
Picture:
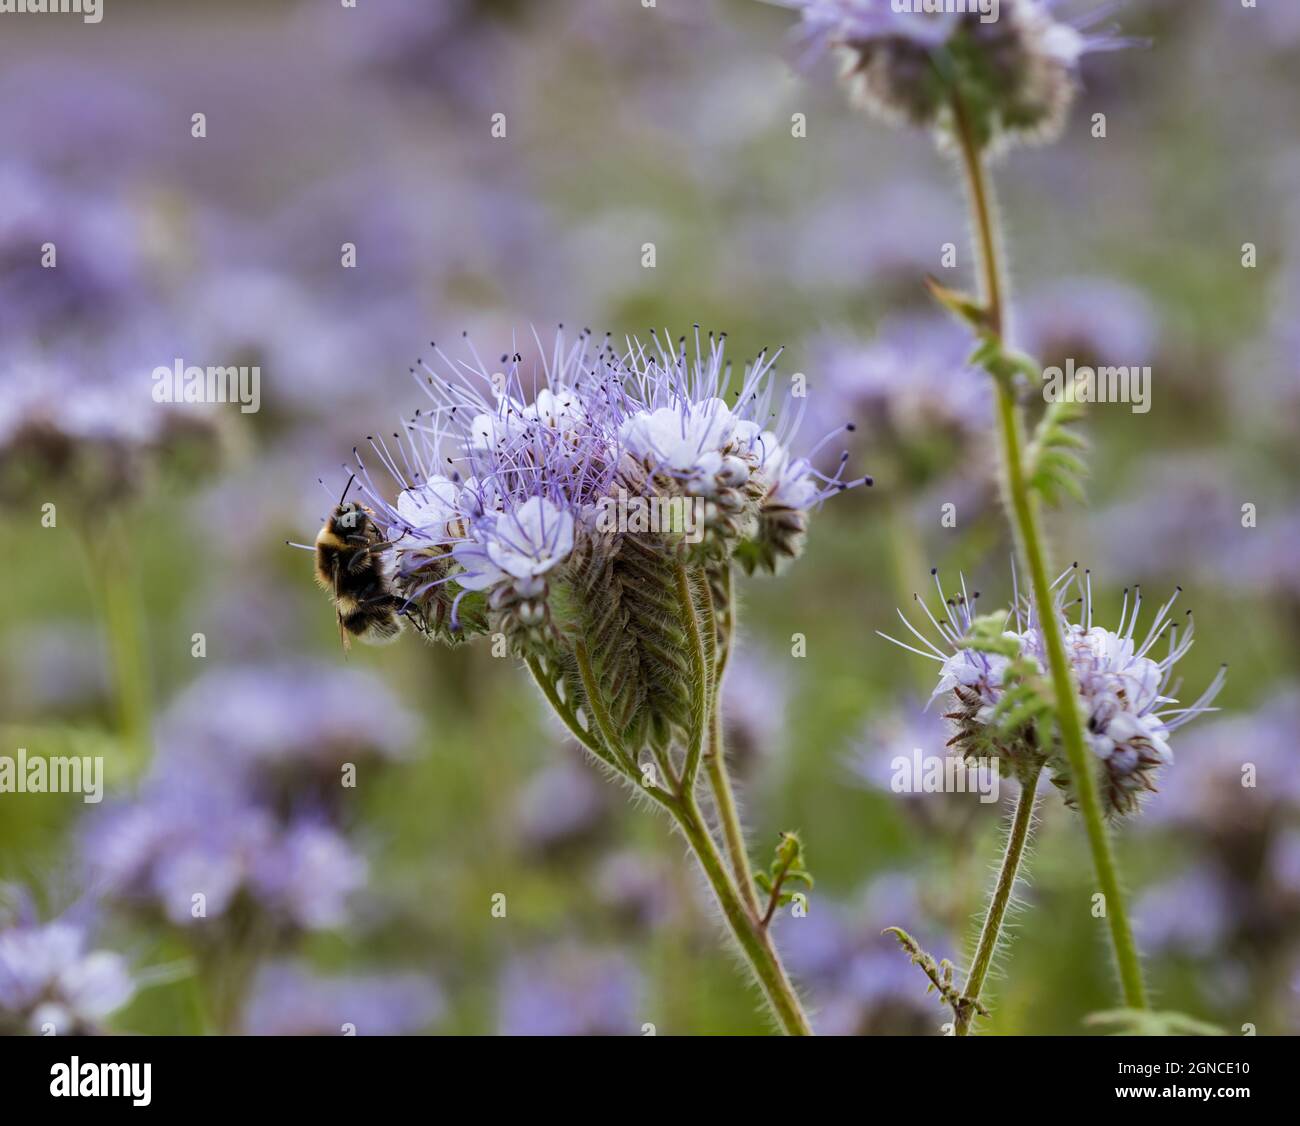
(154, 616)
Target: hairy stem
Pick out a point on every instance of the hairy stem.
(755, 942)
(715, 760)
(565, 712)
(1030, 540)
(991, 932)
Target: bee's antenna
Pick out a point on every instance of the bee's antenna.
(346, 488)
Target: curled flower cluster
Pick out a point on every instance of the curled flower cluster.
(569, 509)
(1124, 687)
(1014, 68)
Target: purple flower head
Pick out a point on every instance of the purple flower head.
(1011, 64)
(591, 499)
(837, 23)
(290, 1000)
(496, 441)
(497, 475)
(1124, 682)
(52, 979)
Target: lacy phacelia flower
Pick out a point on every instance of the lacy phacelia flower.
(560, 507)
(51, 981)
(1011, 64)
(1121, 685)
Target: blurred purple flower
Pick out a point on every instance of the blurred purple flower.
(833, 249)
(569, 990)
(909, 391)
(80, 417)
(58, 666)
(1090, 319)
(1020, 70)
(1174, 522)
(1284, 861)
(1236, 773)
(310, 874)
(296, 716)
(288, 999)
(240, 806)
(1265, 561)
(901, 731)
(438, 47)
(857, 977)
(161, 851)
(755, 695)
(637, 888)
(51, 975)
(92, 122)
(98, 267)
(1190, 914)
(562, 803)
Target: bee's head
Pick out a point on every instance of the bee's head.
(348, 518)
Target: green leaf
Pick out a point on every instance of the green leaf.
(1052, 468)
(962, 305)
(1143, 1022)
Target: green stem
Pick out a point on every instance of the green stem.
(563, 710)
(112, 577)
(715, 761)
(755, 942)
(991, 932)
(724, 799)
(753, 938)
(1025, 519)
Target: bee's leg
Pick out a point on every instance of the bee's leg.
(358, 561)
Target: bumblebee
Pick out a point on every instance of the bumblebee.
(351, 565)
